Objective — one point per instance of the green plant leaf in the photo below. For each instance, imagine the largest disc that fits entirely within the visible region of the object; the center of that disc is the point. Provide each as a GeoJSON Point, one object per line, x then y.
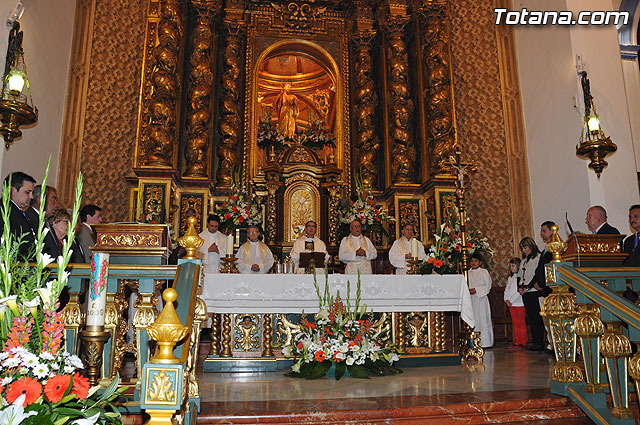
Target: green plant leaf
{"type": "Point", "coordinates": [113, 386]}
{"type": "Point", "coordinates": [341, 368]}
{"type": "Point", "coordinates": [357, 372]}
{"type": "Point", "coordinates": [319, 369]}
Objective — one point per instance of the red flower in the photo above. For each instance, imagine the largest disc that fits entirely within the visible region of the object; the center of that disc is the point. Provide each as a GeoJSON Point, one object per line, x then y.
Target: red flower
{"type": "Point", "coordinates": [335, 359]}
{"type": "Point", "coordinates": [300, 346]}
{"type": "Point", "coordinates": [319, 356]}
{"type": "Point", "coordinates": [153, 222]}
{"type": "Point", "coordinates": [27, 386]}
{"type": "Point", "coordinates": [327, 330]}
{"type": "Point", "coordinates": [469, 245]}
{"type": "Point", "coordinates": [241, 219]}
{"type": "Point", "coordinates": [430, 260]}
{"type": "Point", "coordinates": [234, 209]}
{"type": "Point", "coordinates": [234, 198]}
{"type": "Point", "coordinates": [377, 211]}
{"type": "Point", "coordinates": [370, 201]}
{"type": "Point", "coordinates": [443, 249]}
{"type": "Point", "coordinates": [223, 204]}
{"type": "Point", "coordinates": [438, 263]}
{"type": "Point", "coordinates": [227, 216]}
{"type": "Point", "coordinates": [55, 387]}
{"type": "Point", "coordinates": [80, 386]}
{"type": "Point", "coordinates": [351, 343]}
{"type": "Point", "coordinates": [351, 203]}
{"type": "Point", "coordinates": [377, 218]}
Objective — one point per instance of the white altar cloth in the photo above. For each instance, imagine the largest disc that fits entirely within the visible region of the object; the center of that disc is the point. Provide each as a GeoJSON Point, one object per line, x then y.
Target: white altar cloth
{"type": "Point", "coordinates": [292, 293]}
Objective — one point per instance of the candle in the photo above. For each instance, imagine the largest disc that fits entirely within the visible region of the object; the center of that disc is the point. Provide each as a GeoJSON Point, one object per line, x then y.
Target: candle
{"type": "Point", "coordinates": [230, 244]}
{"type": "Point", "coordinates": [98, 289]}
{"type": "Point", "coordinates": [414, 248]}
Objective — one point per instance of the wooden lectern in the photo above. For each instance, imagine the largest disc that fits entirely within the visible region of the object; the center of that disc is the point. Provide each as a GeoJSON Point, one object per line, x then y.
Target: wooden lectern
{"type": "Point", "coordinates": [133, 243]}
{"type": "Point", "coordinates": [310, 259]}
{"type": "Point", "coordinates": [587, 250]}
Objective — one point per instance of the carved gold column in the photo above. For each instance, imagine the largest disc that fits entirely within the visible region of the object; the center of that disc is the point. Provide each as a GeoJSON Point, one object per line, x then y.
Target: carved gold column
{"type": "Point", "coordinates": [616, 349]}
{"type": "Point", "coordinates": [232, 86]}
{"type": "Point", "coordinates": [267, 335]}
{"type": "Point", "coordinates": [365, 100]}
{"type": "Point", "coordinates": [439, 331]}
{"type": "Point", "coordinates": [227, 336]}
{"type": "Point", "coordinates": [590, 329]}
{"type": "Point", "coordinates": [400, 331]}
{"type": "Point", "coordinates": [634, 370]}
{"type": "Point", "coordinates": [199, 317]}
{"type": "Point", "coordinates": [157, 133]}
{"type": "Point", "coordinates": [335, 195]}
{"type": "Point", "coordinates": [399, 103]}
{"type": "Point", "coordinates": [215, 334]}
{"type": "Point", "coordinates": [271, 222]}
{"type": "Point", "coordinates": [437, 105]}
{"type": "Point", "coordinates": [121, 305]}
{"type": "Point", "coordinates": [200, 82]}
{"type": "Point", "coordinates": [561, 310]}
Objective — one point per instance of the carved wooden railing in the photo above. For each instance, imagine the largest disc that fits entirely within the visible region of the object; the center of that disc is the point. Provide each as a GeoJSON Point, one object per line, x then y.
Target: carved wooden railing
{"type": "Point", "coordinates": [606, 324]}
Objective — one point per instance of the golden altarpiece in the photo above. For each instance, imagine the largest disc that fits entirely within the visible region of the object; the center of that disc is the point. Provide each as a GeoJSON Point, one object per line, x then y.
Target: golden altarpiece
{"type": "Point", "coordinates": [375, 74]}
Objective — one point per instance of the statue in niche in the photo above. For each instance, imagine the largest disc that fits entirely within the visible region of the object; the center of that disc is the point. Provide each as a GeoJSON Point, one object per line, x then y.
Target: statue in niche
{"type": "Point", "coordinates": [287, 108]}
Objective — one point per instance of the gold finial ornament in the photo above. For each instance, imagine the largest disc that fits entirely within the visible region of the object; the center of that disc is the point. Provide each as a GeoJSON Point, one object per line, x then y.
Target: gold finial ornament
{"type": "Point", "coordinates": [191, 241]}
{"type": "Point", "coordinates": [167, 330]}
{"type": "Point", "coordinates": [557, 247]}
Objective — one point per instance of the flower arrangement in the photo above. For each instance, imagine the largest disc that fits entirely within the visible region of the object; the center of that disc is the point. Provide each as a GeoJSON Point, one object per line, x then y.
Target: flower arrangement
{"type": "Point", "coordinates": [364, 209]}
{"type": "Point", "coordinates": [39, 380]}
{"type": "Point", "coordinates": [240, 210]}
{"type": "Point", "coordinates": [445, 256]}
{"type": "Point", "coordinates": [268, 134]}
{"type": "Point", "coordinates": [317, 137]}
{"type": "Point", "coordinates": [340, 337]}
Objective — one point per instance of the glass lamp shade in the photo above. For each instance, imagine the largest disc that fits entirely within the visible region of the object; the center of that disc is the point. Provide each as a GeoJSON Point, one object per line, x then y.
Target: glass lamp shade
{"type": "Point", "coordinates": [15, 82]}
{"type": "Point", "coordinates": [593, 122]}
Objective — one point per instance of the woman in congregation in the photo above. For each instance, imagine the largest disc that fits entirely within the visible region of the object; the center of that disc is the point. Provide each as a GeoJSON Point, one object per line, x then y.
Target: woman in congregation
{"type": "Point", "coordinates": [479, 287]}
{"type": "Point", "coordinates": [531, 256]}
{"type": "Point", "coordinates": [60, 224]}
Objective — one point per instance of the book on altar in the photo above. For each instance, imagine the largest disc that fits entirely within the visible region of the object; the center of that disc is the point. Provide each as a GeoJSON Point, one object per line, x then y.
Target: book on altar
{"type": "Point", "coordinates": [306, 259]}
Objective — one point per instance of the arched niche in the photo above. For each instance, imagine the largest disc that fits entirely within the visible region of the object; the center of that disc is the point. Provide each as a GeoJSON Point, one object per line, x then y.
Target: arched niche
{"type": "Point", "coordinates": [302, 201]}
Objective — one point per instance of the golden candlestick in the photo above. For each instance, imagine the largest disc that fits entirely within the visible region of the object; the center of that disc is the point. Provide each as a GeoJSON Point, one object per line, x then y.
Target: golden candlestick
{"type": "Point", "coordinates": [414, 265]}
{"type": "Point", "coordinates": [229, 264]}
{"type": "Point", "coordinates": [94, 338]}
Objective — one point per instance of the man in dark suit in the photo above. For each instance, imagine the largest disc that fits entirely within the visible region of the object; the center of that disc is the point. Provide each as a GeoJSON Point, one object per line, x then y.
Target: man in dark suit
{"type": "Point", "coordinates": [33, 214]}
{"type": "Point", "coordinates": [540, 280]}
{"type": "Point", "coordinates": [89, 215]}
{"type": "Point", "coordinates": [597, 221]}
{"type": "Point", "coordinates": [631, 244]}
{"type": "Point", "coordinates": [22, 186]}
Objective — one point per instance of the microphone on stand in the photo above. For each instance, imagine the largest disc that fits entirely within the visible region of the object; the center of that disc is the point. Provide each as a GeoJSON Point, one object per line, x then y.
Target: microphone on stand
{"type": "Point", "coordinates": [566, 217]}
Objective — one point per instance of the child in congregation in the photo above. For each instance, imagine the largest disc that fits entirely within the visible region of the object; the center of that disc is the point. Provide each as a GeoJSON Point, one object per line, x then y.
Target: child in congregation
{"type": "Point", "coordinates": [516, 307]}
{"type": "Point", "coordinates": [479, 287]}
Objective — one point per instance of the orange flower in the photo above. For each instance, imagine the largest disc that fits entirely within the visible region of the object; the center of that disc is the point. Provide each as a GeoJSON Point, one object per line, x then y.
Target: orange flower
{"type": "Point", "coordinates": [430, 260]}
{"type": "Point", "coordinates": [55, 387]}
{"type": "Point", "coordinates": [320, 356]}
{"type": "Point", "coordinates": [437, 263]}
{"type": "Point", "coordinates": [80, 386]}
{"type": "Point", "coordinates": [27, 386]}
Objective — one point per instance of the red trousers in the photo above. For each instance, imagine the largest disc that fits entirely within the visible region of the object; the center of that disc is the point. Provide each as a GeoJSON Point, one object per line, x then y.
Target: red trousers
{"type": "Point", "coordinates": [519, 325]}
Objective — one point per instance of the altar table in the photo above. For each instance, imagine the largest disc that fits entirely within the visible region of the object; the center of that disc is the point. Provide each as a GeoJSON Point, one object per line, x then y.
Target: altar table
{"type": "Point", "coordinates": [292, 293]}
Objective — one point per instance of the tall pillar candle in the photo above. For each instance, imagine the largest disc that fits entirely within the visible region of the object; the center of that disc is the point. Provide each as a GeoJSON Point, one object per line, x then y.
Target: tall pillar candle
{"type": "Point", "coordinates": [98, 289]}
{"type": "Point", "coordinates": [414, 248]}
{"type": "Point", "coordinates": [230, 244]}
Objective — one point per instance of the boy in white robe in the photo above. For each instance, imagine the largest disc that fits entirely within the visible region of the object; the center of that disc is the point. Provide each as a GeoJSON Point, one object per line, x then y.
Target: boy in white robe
{"type": "Point", "coordinates": [309, 242]}
{"type": "Point", "coordinates": [400, 251]}
{"type": "Point", "coordinates": [357, 251]}
{"type": "Point", "coordinates": [479, 287]}
{"type": "Point", "coordinates": [254, 256]}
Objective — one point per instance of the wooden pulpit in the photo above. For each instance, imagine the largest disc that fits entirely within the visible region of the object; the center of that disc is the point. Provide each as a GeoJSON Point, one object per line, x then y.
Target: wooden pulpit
{"type": "Point", "coordinates": [588, 250]}
{"type": "Point", "coordinates": [133, 243]}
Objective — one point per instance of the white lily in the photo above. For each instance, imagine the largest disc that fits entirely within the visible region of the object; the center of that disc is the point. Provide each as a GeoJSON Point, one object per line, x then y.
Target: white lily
{"type": "Point", "coordinates": [46, 259]}
{"type": "Point", "coordinates": [393, 357]}
{"type": "Point", "coordinates": [322, 314]}
{"type": "Point", "coordinates": [286, 350]}
{"type": "Point", "coordinates": [14, 414]}
{"type": "Point", "coordinates": [10, 301]}
{"type": "Point", "coordinates": [349, 361]}
{"type": "Point", "coordinates": [45, 295]}
{"type": "Point", "coordinates": [296, 367]}
{"type": "Point", "coordinates": [33, 305]}
{"type": "Point", "coordinates": [88, 421]}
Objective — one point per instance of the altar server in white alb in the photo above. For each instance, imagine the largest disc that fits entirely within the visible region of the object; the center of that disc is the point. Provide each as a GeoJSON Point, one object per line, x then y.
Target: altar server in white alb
{"type": "Point", "coordinates": [357, 251]}
{"type": "Point", "coordinates": [479, 287]}
{"type": "Point", "coordinates": [254, 256]}
{"type": "Point", "coordinates": [214, 246]}
{"type": "Point", "coordinates": [309, 242]}
{"type": "Point", "coordinates": [401, 250]}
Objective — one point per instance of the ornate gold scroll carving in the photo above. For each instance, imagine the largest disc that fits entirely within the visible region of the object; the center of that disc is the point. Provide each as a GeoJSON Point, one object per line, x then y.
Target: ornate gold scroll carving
{"type": "Point", "coordinates": [230, 121]}
{"type": "Point", "coordinates": [271, 222]}
{"type": "Point", "coordinates": [298, 15]}
{"type": "Point", "coordinates": [400, 104]}
{"type": "Point", "coordinates": [440, 114]}
{"type": "Point", "coordinates": [159, 132]}
{"type": "Point", "coordinates": [129, 240]}
{"type": "Point", "coordinates": [366, 140]}
{"type": "Point", "coordinates": [200, 86]}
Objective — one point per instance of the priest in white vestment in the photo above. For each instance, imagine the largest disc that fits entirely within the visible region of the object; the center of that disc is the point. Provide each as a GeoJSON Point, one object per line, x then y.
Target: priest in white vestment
{"type": "Point", "coordinates": [214, 246]}
{"type": "Point", "coordinates": [254, 256]}
{"type": "Point", "coordinates": [400, 251]}
{"type": "Point", "coordinates": [309, 242]}
{"type": "Point", "coordinates": [357, 251]}
{"type": "Point", "coordinates": [479, 287]}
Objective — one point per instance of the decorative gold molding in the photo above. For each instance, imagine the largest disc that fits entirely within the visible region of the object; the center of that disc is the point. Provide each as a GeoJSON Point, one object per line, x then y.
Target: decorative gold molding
{"type": "Point", "coordinates": [74, 115]}
{"type": "Point", "coordinates": [515, 134]}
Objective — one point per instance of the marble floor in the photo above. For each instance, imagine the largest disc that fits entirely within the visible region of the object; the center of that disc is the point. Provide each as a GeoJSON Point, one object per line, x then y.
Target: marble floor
{"type": "Point", "coordinates": [502, 370]}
